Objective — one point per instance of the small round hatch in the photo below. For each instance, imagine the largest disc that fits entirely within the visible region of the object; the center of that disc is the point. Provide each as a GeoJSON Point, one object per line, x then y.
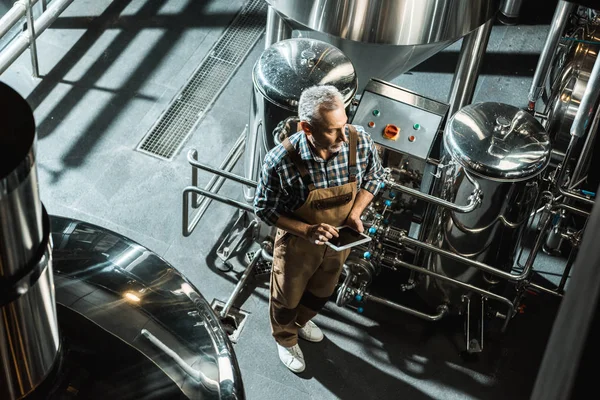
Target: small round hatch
{"type": "Point", "coordinates": [497, 141]}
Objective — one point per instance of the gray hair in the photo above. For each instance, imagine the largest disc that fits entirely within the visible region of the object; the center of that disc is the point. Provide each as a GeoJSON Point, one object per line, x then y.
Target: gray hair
{"type": "Point", "coordinates": [315, 99]}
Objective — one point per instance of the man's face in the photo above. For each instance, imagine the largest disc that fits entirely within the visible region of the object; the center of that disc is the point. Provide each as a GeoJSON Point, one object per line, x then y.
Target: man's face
{"type": "Point", "coordinates": [329, 134]}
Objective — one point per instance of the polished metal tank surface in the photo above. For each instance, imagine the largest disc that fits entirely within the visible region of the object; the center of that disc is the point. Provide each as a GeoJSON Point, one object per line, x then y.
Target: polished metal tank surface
{"type": "Point", "coordinates": [138, 299]}
{"type": "Point", "coordinates": [567, 91]}
{"type": "Point", "coordinates": [385, 38]}
{"type": "Point", "coordinates": [279, 76]}
{"type": "Point", "coordinates": [505, 149]}
{"type": "Point", "coordinates": [29, 339]}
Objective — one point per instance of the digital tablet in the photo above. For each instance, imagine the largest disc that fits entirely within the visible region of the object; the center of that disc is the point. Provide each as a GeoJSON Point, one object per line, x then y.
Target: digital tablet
{"type": "Point", "coordinates": [347, 238]}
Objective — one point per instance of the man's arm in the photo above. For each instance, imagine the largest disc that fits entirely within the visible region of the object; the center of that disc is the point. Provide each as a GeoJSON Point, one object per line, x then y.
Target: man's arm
{"type": "Point", "coordinates": [363, 198]}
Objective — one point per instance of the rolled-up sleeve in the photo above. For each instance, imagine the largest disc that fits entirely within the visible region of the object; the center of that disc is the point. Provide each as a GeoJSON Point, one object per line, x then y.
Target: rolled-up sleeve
{"type": "Point", "coordinates": [268, 204]}
{"type": "Point", "coordinates": [373, 176]}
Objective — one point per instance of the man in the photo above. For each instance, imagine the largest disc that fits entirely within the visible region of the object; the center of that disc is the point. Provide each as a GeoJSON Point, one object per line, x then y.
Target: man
{"type": "Point", "coordinates": [319, 178]}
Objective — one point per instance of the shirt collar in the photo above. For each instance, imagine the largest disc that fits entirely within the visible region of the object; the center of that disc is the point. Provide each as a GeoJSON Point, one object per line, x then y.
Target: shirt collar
{"type": "Point", "coordinates": [307, 153]}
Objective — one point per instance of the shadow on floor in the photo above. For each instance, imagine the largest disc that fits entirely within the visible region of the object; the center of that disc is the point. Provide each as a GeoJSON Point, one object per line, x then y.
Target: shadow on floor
{"type": "Point", "coordinates": [192, 15]}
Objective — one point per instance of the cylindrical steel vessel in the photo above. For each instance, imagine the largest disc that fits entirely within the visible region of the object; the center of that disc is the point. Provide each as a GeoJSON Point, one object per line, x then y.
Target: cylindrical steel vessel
{"type": "Point", "coordinates": [385, 38]}
{"type": "Point", "coordinates": [504, 149]}
{"type": "Point", "coordinates": [567, 91]}
{"type": "Point", "coordinates": [280, 75]}
{"type": "Point", "coordinates": [29, 339]}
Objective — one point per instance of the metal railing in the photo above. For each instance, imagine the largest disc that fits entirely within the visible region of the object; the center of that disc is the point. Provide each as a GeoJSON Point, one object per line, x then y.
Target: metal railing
{"type": "Point", "coordinates": [35, 28]}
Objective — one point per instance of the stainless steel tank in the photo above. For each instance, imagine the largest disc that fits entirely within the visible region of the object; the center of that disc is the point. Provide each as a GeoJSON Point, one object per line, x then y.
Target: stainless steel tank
{"type": "Point", "coordinates": [505, 149]}
{"type": "Point", "coordinates": [128, 325]}
{"type": "Point", "coordinates": [385, 38]}
{"type": "Point", "coordinates": [566, 92]}
{"type": "Point", "coordinates": [279, 77]}
{"type": "Point", "coordinates": [29, 339]}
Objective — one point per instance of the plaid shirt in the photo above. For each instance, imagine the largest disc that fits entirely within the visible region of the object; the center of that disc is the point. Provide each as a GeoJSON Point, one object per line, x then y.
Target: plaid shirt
{"type": "Point", "coordinates": [281, 190]}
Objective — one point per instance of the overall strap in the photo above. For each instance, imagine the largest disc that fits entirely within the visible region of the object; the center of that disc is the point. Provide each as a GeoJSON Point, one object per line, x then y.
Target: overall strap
{"type": "Point", "coordinates": [352, 169]}
{"type": "Point", "coordinates": [295, 157]}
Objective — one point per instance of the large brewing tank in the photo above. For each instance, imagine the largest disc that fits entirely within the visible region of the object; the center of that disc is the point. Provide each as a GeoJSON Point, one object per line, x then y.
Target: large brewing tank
{"type": "Point", "coordinates": [505, 149]}
{"type": "Point", "coordinates": [385, 38]}
{"type": "Point", "coordinates": [279, 77]}
{"type": "Point", "coordinates": [29, 339]}
{"type": "Point", "coordinates": [120, 321]}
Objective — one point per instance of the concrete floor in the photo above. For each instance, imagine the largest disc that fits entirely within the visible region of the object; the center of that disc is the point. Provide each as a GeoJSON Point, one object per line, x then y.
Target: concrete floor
{"type": "Point", "coordinates": [109, 69]}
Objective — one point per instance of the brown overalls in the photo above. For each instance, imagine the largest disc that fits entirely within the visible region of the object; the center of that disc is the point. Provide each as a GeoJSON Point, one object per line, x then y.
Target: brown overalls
{"type": "Point", "coordinates": [305, 274]}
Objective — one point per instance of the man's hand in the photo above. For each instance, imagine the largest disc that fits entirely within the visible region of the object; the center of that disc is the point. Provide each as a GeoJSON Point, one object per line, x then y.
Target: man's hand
{"type": "Point", "coordinates": [355, 223]}
{"type": "Point", "coordinates": [320, 233]}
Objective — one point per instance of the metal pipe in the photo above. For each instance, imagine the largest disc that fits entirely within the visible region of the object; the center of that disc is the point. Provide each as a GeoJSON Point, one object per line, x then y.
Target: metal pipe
{"type": "Point", "coordinates": [214, 185]}
{"type": "Point", "coordinates": [21, 42]}
{"type": "Point", "coordinates": [266, 256]}
{"type": "Point", "coordinates": [559, 21]}
{"type": "Point", "coordinates": [442, 309]}
{"type": "Point", "coordinates": [14, 15]}
{"type": "Point", "coordinates": [474, 199]}
{"type": "Point", "coordinates": [543, 289]}
{"type": "Point", "coordinates": [196, 374]}
{"type": "Point", "coordinates": [468, 327]}
{"type": "Point", "coordinates": [32, 43]}
{"type": "Point", "coordinates": [575, 196]}
{"type": "Point", "coordinates": [214, 196]}
{"type": "Point", "coordinates": [467, 261]}
{"type": "Point", "coordinates": [469, 64]}
{"type": "Point", "coordinates": [588, 103]}
{"type": "Point", "coordinates": [235, 153]}
{"type": "Point", "coordinates": [240, 284]}
{"type": "Point", "coordinates": [510, 8]}
{"type": "Point", "coordinates": [225, 174]}
{"type": "Point", "coordinates": [588, 146]}
{"type": "Point", "coordinates": [508, 303]}
{"type": "Point", "coordinates": [277, 29]}
{"type": "Point", "coordinates": [572, 209]}
{"type": "Point", "coordinates": [567, 271]}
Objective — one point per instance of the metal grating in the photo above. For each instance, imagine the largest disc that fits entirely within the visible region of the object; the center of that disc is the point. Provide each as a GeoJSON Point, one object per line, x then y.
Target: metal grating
{"type": "Point", "coordinates": [189, 106]}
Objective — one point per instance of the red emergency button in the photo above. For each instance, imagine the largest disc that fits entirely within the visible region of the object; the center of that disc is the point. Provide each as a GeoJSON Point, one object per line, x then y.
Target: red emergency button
{"type": "Point", "coordinates": [391, 132]}
{"type": "Point", "coordinates": [371, 124]}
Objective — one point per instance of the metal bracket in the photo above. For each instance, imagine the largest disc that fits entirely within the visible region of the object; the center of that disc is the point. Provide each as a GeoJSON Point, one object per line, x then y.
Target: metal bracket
{"type": "Point", "coordinates": [473, 345]}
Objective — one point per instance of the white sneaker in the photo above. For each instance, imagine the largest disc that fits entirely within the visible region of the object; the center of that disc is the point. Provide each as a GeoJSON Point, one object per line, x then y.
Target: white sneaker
{"type": "Point", "coordinates": [311, 332]}
{"type": "Point", "coordinates": [292, 357]}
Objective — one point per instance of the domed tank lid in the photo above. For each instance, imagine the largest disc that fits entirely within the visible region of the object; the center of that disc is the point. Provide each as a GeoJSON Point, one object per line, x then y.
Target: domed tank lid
{"type": "Point", "coordinates": [497, 141]}
{"type": "Point", "coordinates": [288, 67]}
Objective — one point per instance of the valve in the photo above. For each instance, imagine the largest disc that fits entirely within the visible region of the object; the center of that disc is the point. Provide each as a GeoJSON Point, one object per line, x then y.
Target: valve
{"type": "Point", "coordinates": [387, 203]}
{"type": "Point", "coordinates": [392, 194]}
{"type": "Point", "coordinates": [382, 185]}
{"type": "Point", "coordinates": [372, 230]}
{"type": "Point", "coordinates": [360, 310]}
{"type": "Point", "coordinates": [367, 255]}
{"type": "Point", "coordinates": [358, 297]}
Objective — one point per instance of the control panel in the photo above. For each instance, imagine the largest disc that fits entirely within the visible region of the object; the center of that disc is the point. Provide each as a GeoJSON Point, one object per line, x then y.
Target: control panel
{"type": "Point", "coordinates": [399, 119]}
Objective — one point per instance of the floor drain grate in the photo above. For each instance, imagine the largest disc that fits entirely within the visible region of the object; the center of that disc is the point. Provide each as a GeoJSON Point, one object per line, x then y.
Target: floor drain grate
{"type": "Point", "coordinates": [189, 106]}
{"type": "Point", "coordinates": [262, 268]}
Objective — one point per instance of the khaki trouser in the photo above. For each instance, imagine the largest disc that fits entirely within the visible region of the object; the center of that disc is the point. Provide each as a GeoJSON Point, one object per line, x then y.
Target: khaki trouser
{"type": "Point", "coordinates": [301, 288]}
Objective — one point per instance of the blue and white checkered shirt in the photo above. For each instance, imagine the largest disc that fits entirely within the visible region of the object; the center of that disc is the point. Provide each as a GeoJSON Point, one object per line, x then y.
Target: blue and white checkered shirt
{"type": "Point", "coordinates": [282, 191]}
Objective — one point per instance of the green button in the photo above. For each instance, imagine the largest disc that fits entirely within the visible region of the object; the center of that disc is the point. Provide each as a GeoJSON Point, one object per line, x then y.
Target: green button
{"type": "Point", "coordinates": [376, 113]}
{"type": "Point", "coordinates": [416, 127]}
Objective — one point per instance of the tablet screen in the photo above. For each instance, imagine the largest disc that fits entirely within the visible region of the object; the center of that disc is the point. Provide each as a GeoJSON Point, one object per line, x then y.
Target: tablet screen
{"type": "Point", "coordinates": [347, 236]}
